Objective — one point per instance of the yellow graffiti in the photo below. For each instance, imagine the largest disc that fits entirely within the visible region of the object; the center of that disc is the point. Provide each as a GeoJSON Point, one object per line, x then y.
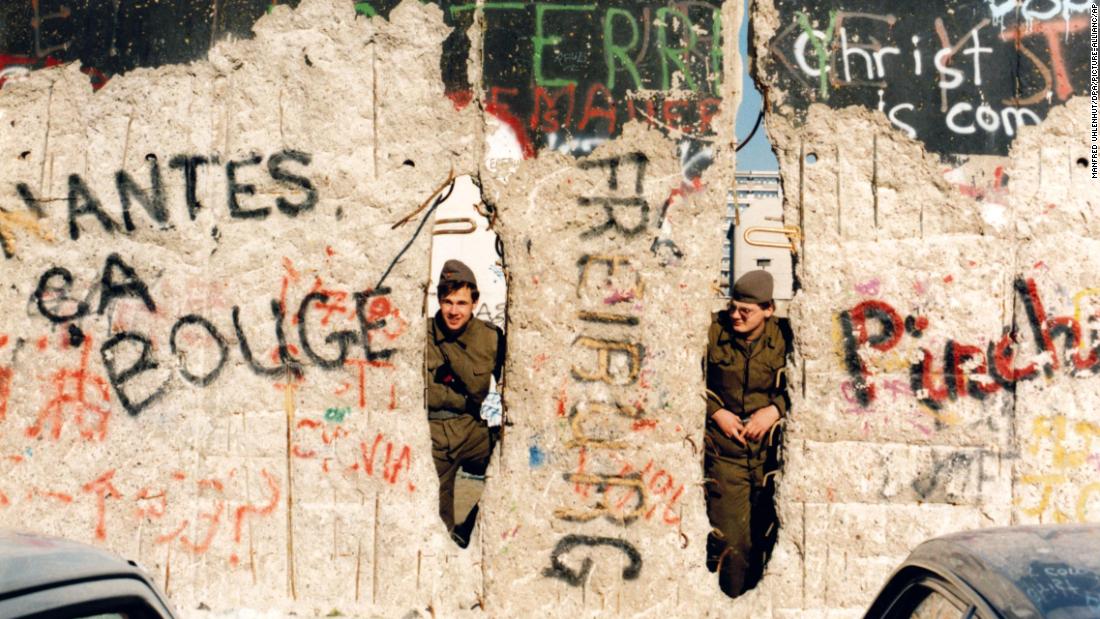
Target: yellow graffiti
{"type": "Point", "coordinates": [29, 222]}
{"type": "Point", "coordinates": [603, 484]}
{"type": "Point", "coordinates": [581, 413]}
{"type": "Point", "coordinates": [1077, 312]}
{"type": "Point", "coordinates": [1069, 444]}
{"type": "Point", "coordinates": [612, 263]}
{"type": "Point", "coordinates": [1048, 482]}
{"type": "Point", "coordinates": [1054, 429]}
{"type": "Point", "coordinates": [604, 349]}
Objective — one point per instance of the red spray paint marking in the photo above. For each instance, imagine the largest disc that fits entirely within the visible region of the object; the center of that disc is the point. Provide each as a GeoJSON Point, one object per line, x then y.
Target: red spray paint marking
{"type": "Point", "coordinates": [102, 488]}
{"type": "Point", "coordinates": [391, 467]}
{"type": "Point", "coordinates": [246, 510]}
{"type": "Point", "coordinates": [214, 519]}
{"type": "Point", "coordinates": [1054, 32]}
{"type": "Point", "coordinates": [504, 114]}
{"type": "Point", "coordinates": [460, 98]}
{"type": "Point", "coordinates": [5, 390]}
{"type": "Point", "coordinates": [157, 509]}
{"type": "Point", "coordinates": [71, 389]}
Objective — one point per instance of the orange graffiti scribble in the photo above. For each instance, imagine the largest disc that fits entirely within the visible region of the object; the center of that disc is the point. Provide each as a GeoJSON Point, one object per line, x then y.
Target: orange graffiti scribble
{"type": "Point", "coordinates": [335, 304]}
{"type": "Point", "coordinates": [71, 392]}
{"type": "Point", "coordinates": [102, 488]}
{"type": "Point", "coordinates": [245, 510]}
{"type": "Point", "coordinates": [5, 390]}
{"type": "Point", "coordinates": [391, 467]}
{"type": "Point", "coordinates": [214, 519]}
{"type": "Point", "coordinates": [291, 275]}
{"type": "Point", "coordinates": [362, 365]}
{"type": "Point", "coordinates": [154, 510]}
{"type": "Point", "coordinates": [167, 537]}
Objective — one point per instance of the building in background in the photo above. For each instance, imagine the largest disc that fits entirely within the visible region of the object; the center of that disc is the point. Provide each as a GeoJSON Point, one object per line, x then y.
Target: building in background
{"type": "Point", "coordinates": [757, 236]}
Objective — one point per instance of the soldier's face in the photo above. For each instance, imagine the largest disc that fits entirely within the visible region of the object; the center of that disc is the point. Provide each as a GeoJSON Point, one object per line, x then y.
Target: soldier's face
{"type": "Point", "coordinates": [748, 318]}
{"type": "Point", "coordinates": [457, 308]}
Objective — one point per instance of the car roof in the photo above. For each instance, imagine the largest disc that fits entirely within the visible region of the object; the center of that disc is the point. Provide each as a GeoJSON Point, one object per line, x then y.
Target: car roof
{"type": "Point", "coordinates": [1022, 570]}
{"type": "Point", "coordinates": [29, 561]}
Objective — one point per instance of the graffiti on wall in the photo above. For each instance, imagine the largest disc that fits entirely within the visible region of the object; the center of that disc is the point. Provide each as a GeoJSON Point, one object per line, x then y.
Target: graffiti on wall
{"type": "Point", "coordinates": [936, 71]}
{"type": "Point", "coordinates": [184, 512]}
{"type": "Point", "coordinates": [1067, 344]}
{"type": "Point", "coordinates": [604, 401]}
{"type": "Point", "coordinates": [1063, 486]}
{"type": "Point", "coordinates": [109, 38]}
{"type": "Point", "coordinates": [561, 75]}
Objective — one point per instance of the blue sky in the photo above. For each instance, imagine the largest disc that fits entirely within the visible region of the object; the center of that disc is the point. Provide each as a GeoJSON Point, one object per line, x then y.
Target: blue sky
{"type": "Point", "coordinates": [757, 155]}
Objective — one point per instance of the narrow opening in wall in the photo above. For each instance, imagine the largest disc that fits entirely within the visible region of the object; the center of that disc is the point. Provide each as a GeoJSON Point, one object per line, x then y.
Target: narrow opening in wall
{"type": "Point", "coordinates": [747, 346]}
{"type": "Point", "coordinates": [464, 354]}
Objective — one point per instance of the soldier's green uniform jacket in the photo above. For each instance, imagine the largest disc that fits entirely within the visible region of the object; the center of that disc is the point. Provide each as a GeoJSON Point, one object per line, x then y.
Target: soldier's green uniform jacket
{"type": "Point", "coordinates": [458, 369]}
{"type": "Point", "coordinates": [736, 385]}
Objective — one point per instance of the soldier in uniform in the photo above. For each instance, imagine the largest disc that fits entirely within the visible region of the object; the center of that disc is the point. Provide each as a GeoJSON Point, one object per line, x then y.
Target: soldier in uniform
{"type": "Point", "coordinates": [463, 354]}
{"type": "Point", "coordinates": [746, 398]}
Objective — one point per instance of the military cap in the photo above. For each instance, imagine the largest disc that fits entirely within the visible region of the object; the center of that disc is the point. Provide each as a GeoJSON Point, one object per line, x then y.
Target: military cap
{"type": "Point", "coordinates": [456, 270]}
{"type": "Point", "coordinates": [754, 287]}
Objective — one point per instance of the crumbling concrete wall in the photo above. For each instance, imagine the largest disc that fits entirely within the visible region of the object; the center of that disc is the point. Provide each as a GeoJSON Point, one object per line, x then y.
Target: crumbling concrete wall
{"type": "Point", "coordinates": [946, 320]}
{"type": "Point", "coordinates": [211, 344]}
{"type": "Point", "coordinates": [211, 349]}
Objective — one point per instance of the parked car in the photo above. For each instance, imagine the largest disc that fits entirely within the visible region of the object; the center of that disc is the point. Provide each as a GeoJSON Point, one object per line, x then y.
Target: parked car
{"type": "Point", "coordinates": [1036, 572]}
{"type": "Point", "coordinates": [43, 577]}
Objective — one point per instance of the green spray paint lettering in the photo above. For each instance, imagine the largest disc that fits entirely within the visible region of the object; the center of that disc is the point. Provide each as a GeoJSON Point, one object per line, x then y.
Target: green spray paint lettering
{"type": "Point", "coordinates": [364, 8]}
{"type": "Point", "coordinates": [716, 53]}
{"type": "Point", "coordinates": [541, 41]}
{"type": "Point", "coordinates": [674, 55]}
{"type": "Point", "coordinates": [819, 48]}
{"type": "Point", "coordinates": [337, 415]}
{"type": "Point", "coordinates": [612, 51]}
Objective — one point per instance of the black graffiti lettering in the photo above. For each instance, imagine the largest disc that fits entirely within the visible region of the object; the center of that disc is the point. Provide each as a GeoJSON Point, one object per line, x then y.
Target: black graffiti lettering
{"type": "Point", "coordinates": [965, 469]}
{"type": "Point", "coordinates": [865, 393]}
{"type": "Point", "coordinates": [344, 339]}
{"type": "Point", "coordinates": [610, 206]}
{"type": "Point", "coordinates": [1037, 317]}
{"type": "Point", "coordinates": [274, 167]}
{"type": "Point", "coordinates": [576, 578]}
{"type": "Point", "coordinates": [152, 201]}
{"type": "Point", "coordinates": [190, 166]}
{"type": "Point", "coordinates": [223, 349]}
{"type": "Point", "coordinates": [367, 326]}
{"type": "Point", "coordinates": [76, 336]}
{"type": "Point", "coordinates": [28, 198]}
{"type": "Point", "coordinates": [950, 370]}
{"type": "Point", "coordinates": [287, 364]}
{"type": "Point", "coordinates": [131, 285]}
{"type": "Point", "coordinates": [83, 202]}
{"type": "Point", "coordinates": [612, 165]}
{"type": "Point", "coordinates": [235, 189]}
{"type": "Point", "coordinates": [144, 363]}
{"type": "Point", "coordinates": [49, 297]}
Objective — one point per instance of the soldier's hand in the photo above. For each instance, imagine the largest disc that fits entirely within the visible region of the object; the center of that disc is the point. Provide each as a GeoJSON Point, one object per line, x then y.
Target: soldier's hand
{"type": "Point", "coordinates": [761, 421]}
{"type": "Point", "coordinates": [729, 424]}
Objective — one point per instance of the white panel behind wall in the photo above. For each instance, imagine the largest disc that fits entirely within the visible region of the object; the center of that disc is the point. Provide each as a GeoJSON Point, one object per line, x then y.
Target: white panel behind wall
{"type": "Point", "coordinates": [749, 254]}
{"type": "Point", "coordinates": [460, 231]}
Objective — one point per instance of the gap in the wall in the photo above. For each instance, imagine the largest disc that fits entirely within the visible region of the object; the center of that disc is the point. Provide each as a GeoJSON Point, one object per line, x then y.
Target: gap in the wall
{"type": "Point", "coordinates": [463, 230]}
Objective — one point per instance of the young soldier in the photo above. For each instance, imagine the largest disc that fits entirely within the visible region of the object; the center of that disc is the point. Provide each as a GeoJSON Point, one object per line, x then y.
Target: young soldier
{"type": "Point", "coordinates": [462, 354]}
{"type": "Point", "coordinates": [746, 354]}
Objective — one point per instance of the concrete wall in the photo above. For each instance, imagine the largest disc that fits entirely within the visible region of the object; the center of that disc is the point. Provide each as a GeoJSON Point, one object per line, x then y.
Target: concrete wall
{"type": "Point", "coordinates": [946, 321]}
{"type": "Point", "coordinates": [213, 319]}
{"type": "Point", "coordinates": [211, 343]}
